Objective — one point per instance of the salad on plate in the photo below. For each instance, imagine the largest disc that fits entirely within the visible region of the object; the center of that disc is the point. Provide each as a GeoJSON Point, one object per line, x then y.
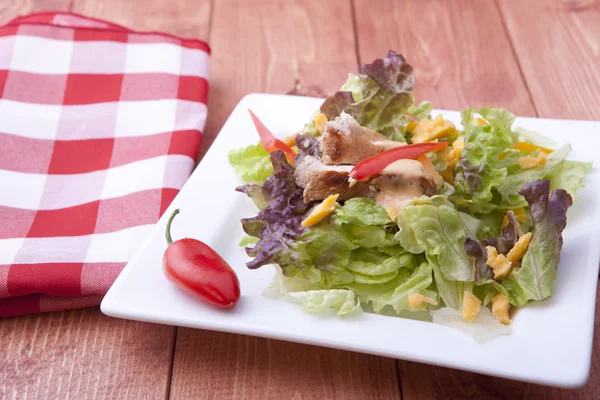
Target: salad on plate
{"type": "Point", "coordinates": [376, 204]}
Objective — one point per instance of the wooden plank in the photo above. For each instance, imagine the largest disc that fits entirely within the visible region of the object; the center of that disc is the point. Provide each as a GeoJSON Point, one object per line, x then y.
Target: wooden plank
{"type": "Point", "coordinates": [463, 57]}
{"type": "Point", "coordinates": [212, 365]}
{"type": "Point", "coordinates": [558, 46]}
{"type": "Point", "coordinates": [276, 47]}
{"type": "Point", "coordinates": [83, 354]}
{"type": "Point", "coordinates": [13, 9]}
{"type": "Point", "coordinates": [459, 50]}
{"type": "Point", "coordinates": [271, 46]}
{"type": "Point", "coordinates": [187, 18]}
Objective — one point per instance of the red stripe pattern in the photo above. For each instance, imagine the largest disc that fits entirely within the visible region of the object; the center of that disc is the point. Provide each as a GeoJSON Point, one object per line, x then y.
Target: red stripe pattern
{"type": "Point", "coordinates": [99, 128]}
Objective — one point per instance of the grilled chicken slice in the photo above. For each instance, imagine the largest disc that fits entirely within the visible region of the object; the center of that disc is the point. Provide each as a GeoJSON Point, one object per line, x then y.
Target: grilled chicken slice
{"type": "Point", "coordinates": [344, 141]}
{"type": "Point", "coordinates": [402, 179]}
{"type": "Point", "coordinates": [320, 181]}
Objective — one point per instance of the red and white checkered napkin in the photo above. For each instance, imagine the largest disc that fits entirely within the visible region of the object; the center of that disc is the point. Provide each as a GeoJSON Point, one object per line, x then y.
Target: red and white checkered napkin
{"type": "Point", "coordinates": [99, 128]}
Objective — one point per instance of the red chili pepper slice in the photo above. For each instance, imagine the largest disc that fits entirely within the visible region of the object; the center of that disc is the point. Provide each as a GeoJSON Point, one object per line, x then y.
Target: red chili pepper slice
{"type": "Point", "coordinates": [196, 268]}
{"type": "Point", "coordinates": [269, 141]}
{"type": "Point", "coordinates": [374, 165]}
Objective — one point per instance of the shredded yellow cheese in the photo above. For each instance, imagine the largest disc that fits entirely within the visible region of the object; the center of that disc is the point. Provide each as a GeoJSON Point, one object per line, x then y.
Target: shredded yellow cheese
{"type": "Point", "coordinates": [519, 249]}
{"type": "Point", "coordinates": [471, 306]}
{"type": "Point", "coordinates": [416, 300]}
{"type": "Point", "coordinates": [500, 307]}
{"type": "Point", "coordinates": [498, 263]}
{"type": "Point", "coordinates": [453, 157]}
{"type": "Point", "coordinates": [520, 214]}
{"type": "Point", "coordinates": [322, 210]}
{"type": "Point", "coordinates": [320, 120]}
{"type": "Point", "coordinates": [430, 169]}
{"type": "Point", "coordinates": [428, 130]}
{"type": "Point", "coordinates": [528, 147]}
{"type": "Point", "coordinates": [290, 140]}
{"type": "Point", "coordinates": [411, 126]}
{"type": "Point", "coordinates": [528, 162]}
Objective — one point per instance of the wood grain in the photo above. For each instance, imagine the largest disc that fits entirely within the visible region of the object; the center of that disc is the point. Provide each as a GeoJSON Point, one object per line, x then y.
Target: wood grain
{"type": "Point", "coordinates": [10, 9]}
{"type": "Point", "coordinates": [269, 46]}
{"type": "Point", "coordinates": [83, 354]}
{"type": "Point", "coordinates": [276, 47]}
{"type": "Point", "coordinates": [224, 366]}
{"type": "Point", "coordinates": [187, 18]}
{"type": "Point", "coordinates": [558, 46]}
{"type": "Point", "coordinates": [460, 51]}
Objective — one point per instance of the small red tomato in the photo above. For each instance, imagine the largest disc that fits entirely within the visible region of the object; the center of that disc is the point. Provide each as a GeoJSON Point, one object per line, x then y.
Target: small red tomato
{"type": "Point", "coordinates": [196, 268]}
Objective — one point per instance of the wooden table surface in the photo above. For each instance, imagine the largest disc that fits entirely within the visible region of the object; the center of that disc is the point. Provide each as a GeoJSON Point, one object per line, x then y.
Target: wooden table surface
{"type": "Point", "coordinates": [540, 60]}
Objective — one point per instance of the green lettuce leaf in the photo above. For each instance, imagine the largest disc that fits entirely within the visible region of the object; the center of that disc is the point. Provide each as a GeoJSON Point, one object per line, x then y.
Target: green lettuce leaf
{"type": "Point", "coordinates": [509, 189]}
{"type": "Point", "coordinates": [423, 110]}
{"type": "Point", "coordinates": [569, 175]}
{"type": "Point", "coordinates": [480, 168]}
{"type": "Point", "coordinates": [395, 293]}
{"type": "Point", "coordinates": [534, 280]}
{"type": "Point", "coordinates": [433, 226]}
{"type": "Point", "coordinates": [342, 301]}
{"type": "Point", "coordinates": [451, 292]}
{"type": "Point", "coordinates": [248, 240]}
{"type": "Point", "coordinates": [378, 97]}
{"type": "Point", "coordinates": [365, 223]}
{"type": "Point", "coordinates": [252, 163]}
{"type": "Point", "coordinates": [374, 263]}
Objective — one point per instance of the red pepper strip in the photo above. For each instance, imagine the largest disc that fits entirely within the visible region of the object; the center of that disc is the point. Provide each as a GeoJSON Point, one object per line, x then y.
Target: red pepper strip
{"type": "Point", "coordinates": [269, 141]}
{"type": "Point", "coordinates": [374, 165]}
{"type": "Point", "coordinates": [196, 268]}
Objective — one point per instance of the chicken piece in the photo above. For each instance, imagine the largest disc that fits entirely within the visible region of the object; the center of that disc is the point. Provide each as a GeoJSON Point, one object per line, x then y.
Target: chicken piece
{"type": "Point", "coordinates": [321, 181]}
{"type": "Point", "coordinates": [344, 141]}
{"type": "Point", "coordinates": [401, 178]}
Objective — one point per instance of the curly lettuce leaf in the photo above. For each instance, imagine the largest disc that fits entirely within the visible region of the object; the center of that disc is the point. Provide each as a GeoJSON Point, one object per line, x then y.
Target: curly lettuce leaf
{"type": "Point", "coordinates": [251, 164]}
{"type": "Point", "coordinates": [374, 263]}
{"type": "Point", "coordinates": [341, 301]}
{"type": "Point", "coordinates": [395, 293]}
{"type": "Point", "coordinates": [569, 175]}
{"type": "Point", "coordinates": [385, 94]}
{"type": "Point", "coordinates": [509, 189]}
{"type": "Point", "coordinates": [255, 193]}
{"type": "Point", "coordinates": [422, 111]}
{"type": "Point", "coordinates": [480, 168]}
{"type": "Point", "coordinates": [363, 211]}
{"type": "Point", "coordinates": [476, 251]}
{"type": "Point", "coordinates": [329, 247]}
{"type": "Point", "coordinates": [451, 292]}
{"type": "Point", "coordinates": [307, 146]}
{"type": "Point", "coordinates": [435, 227]}
{"type": "Point", "coordinates": [248, 240]}
{"type": "Point", "coordinates": [278, 224]}
{"type": "Point", "coordinates": [534, 280]}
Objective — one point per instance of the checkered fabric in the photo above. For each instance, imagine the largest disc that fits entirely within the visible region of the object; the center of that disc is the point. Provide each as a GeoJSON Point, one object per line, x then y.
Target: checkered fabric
{"type": "Point", "coordinates": [99, 128]}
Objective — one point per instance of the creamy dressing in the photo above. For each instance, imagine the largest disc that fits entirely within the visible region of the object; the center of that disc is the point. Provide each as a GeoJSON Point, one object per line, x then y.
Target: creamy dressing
{"type": "Point", "coordinates": [387, 144]}
{"type": "Point", "coordinates": [398, 183]}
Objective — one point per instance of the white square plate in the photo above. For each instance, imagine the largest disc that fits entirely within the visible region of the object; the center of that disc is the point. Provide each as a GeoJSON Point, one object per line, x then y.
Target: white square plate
{"type": "Point", "coordinates": [551, 341]}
